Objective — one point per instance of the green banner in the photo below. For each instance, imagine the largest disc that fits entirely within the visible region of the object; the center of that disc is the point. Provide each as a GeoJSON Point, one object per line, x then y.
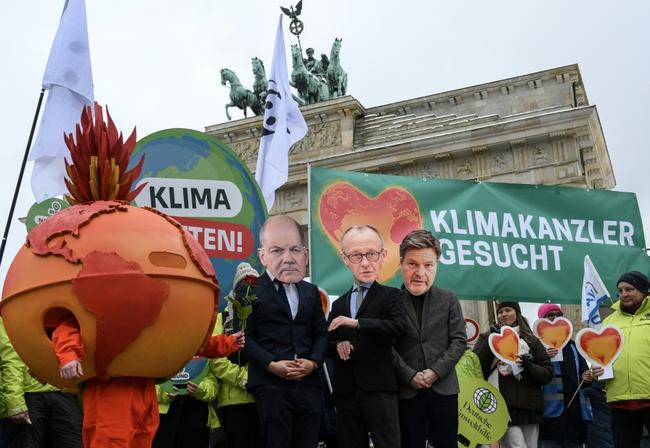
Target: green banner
{"type": "Point", "coordinates": [498, 241]}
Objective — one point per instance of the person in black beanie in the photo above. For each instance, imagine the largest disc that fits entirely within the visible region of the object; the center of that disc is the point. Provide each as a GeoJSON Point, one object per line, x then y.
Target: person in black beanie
{"type": "Point", "coordinates": [628, 393]}
{"type": "Point", "coordinates": [637, 279]}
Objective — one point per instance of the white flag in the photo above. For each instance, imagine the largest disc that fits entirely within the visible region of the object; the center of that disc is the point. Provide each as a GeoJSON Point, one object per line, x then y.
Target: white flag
{"type": "Point", "coordinates": [283, 126]}
{"type": "Point", "coordinates": [594, 294]}
{"type": "Point", "coordinates": [69, 81]}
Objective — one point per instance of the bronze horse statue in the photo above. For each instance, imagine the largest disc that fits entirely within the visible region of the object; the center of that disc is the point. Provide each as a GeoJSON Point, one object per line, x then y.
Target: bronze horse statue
{"type": "Point", "coordinates": [239, 96]}
{"type": "Point", "coordinates": [310, 87]}
{"type": "Point", "coordinates": [337, 77]}
{"type": "Point", "coordinates": [260, 84]}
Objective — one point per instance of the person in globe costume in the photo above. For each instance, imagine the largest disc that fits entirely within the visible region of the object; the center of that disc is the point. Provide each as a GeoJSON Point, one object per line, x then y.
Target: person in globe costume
{"type": "Point", "coordinates": [119, 409]}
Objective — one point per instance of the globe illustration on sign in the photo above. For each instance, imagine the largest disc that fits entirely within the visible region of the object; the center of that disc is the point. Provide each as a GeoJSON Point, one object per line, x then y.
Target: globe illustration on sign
{"type": "Point", "coordinates": [204, 185]}
{"type": "Point", "coordinates": [485, 400]}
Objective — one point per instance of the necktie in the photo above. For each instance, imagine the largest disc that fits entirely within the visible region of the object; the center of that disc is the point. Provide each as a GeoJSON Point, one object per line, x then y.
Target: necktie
{"type": "Point", "coordinates": [360, 296]}
{"type": "Point", "coordinates": [293, 302]}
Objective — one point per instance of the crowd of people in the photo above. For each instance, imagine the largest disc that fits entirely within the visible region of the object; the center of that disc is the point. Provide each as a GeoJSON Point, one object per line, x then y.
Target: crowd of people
{"type": "Point", "coordinates": [382, 368]}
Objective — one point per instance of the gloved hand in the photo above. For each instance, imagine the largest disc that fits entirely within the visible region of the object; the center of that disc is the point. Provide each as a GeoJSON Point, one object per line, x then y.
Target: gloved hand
{"type": "Point", "coordinates": [495, 328]}
{"type": "Point", "coordinates": [526, 360]}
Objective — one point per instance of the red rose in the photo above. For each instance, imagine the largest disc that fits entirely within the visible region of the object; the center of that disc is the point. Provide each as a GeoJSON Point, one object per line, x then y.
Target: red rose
{"type": "Point", "coordinates": [250, 280]}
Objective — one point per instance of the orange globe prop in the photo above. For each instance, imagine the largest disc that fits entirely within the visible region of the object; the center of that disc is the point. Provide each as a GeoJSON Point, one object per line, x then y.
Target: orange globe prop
{"type": "Point", "coordinates": [141, 289]}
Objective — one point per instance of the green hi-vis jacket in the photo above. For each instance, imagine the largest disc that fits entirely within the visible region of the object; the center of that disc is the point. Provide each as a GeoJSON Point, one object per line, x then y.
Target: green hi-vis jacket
{"type": "Point", "coordinates": [469, 366]}
{"type": "Point", "coordinates": [225, 382]}
{"type": "Point", "coordinates": [632, 368]}
{"type": "Point", "coordinates": [232, 378]}
{"type": "Point", "coordinates": [207, 391]}
{"type": "Point", "coordinates": [15, 379]}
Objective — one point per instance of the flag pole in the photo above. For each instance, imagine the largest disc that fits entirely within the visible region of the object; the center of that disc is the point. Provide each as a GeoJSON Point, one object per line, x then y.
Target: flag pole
{"type": "Point", "coordinates": [5, 235]}
{"type": "Point", "coordinates": [575, 393]}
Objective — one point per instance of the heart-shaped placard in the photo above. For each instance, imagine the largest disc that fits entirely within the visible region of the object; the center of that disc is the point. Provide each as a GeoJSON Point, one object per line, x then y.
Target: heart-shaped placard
{"type": "Point", "coordinates": [554, 334]}
{"type": "Point", "coordinates": [601, 347]}
{"type": "Point", "coordinates": [505, 345]}
{"type": "Point", "coordinates": [394, 212]}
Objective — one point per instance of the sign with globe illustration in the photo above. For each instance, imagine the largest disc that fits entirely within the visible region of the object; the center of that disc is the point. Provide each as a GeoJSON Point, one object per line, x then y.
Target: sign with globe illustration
{"type": "Point", "coordinates": [204, 185]}
{"type": "Point", "coordinates": [40, 211]}
{"type": "Point", "coordinates": [485, 400]}
{"type": "Point", "coordinates": [482, 413]}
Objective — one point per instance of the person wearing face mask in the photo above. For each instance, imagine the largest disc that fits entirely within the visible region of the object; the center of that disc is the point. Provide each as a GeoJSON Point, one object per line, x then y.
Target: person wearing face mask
{"type": "Point", "coordinates": [628, 393]}
{"type": "Point", "coordinates": [425, 355]}
{"type": "Point", "coordinates": [565, 421]}
{"type": "Point", "coordinates": [522, 392]}
{"type": "Point", "coordinates": [286, 340]}
{"type": "Point", "coordinates": [363, 324]}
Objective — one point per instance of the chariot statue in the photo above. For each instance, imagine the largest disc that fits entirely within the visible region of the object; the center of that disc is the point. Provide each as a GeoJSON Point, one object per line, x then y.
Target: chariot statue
{"type": "Point", "coordinates": [311, 88]}
{"type": "Point", "coordinates": [315, 79]}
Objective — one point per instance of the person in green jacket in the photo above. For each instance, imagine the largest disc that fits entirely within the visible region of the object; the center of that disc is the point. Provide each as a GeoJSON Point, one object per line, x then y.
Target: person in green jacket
{"type": "Point", "coordinates": [628, 393]}
{"type": "Point", "coordinates": [468, 366]}
{"type": "Point", "coordinates": [10, 373]}
{"type": "Point", "coordinates": [186, 420]}
{"type": "Point", "coordinates": [236, 406]}
{"type": "Point", "coordinates": [39, 413]}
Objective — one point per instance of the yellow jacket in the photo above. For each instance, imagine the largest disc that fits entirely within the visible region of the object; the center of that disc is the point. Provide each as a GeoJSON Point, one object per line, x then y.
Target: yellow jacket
{"type": "Point", "coordinates": [232, 377]}
{"type": "Point", "coordinates": [632, 368]}
{"type": "Point", "coordinates": [15, 379]}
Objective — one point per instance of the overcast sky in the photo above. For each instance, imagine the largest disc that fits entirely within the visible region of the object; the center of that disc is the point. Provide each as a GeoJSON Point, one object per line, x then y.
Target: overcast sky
{"type": "Point", "coordinates": [156, 63]}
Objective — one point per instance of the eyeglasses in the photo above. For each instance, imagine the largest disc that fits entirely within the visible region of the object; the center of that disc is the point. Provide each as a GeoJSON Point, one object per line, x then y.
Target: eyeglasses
{"type": "Point", "coordinates": [357, 257]}
{"type": "Point", "coordinates": [553, 315]}
{"type": "Point", "coordinates": [279, 251]}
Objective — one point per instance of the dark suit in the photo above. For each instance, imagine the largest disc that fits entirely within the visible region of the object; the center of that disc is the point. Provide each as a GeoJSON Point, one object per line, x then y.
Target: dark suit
{"type": "Point", "coordinates": [289, 410]}
{"type": "Point", "coordinates": [365, 385]}
{"type": "Point", "coordinates": [436, 342]}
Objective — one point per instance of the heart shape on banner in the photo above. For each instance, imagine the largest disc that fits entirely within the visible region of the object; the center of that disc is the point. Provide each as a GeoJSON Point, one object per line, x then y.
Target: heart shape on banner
{"type": "Point", "coordinates": [601, 347]}
{"type": "Point", "coordinates": [505, 345]}
{"type": "Point", "coordinates": [394, 213]}
{"type": "Point", "coordinates": [554, 334]}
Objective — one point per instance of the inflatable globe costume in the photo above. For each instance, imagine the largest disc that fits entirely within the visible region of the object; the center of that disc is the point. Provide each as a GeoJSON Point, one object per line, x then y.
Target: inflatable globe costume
{"type": "Point", "coordinates": [110, 296]}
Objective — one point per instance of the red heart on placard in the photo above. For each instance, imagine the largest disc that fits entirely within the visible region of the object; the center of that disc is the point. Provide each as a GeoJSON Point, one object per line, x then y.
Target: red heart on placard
{"type": "Point", "coordinates": [394, 212]}
{"type": "Point", "coordinates": [555, 334]}
{"type": "Point", "coordinates": [505, 345]}
{"type": "Point", "coordinates": [600, 346]}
